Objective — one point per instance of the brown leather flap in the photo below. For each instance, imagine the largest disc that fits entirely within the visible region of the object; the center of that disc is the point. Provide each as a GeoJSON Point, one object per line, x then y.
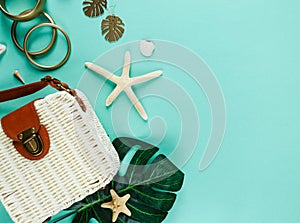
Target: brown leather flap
{"type": "Point", "coordinates": [21, 120]}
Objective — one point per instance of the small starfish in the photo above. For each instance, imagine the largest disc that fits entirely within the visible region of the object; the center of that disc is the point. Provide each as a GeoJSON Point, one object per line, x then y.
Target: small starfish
{"type": "Point", "coordinates": [125, 83]}
{"type": "Point", "coordinates": [117, 205]}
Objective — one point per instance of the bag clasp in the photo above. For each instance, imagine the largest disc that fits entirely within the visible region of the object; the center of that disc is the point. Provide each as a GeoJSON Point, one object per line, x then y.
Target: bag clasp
{"type": "Point", "coordinates": [32, 141]}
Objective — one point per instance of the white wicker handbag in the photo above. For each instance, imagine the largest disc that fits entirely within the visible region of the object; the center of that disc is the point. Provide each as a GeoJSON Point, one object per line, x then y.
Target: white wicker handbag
{"type": "Point", "coordinates": [53, 152]}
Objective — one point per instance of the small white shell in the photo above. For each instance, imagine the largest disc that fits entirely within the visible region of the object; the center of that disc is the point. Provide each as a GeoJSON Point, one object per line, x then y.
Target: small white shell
{"type": "Point", "coordinates": [147, 47]}
{"type": "Point", "coordinates": [2, 49]}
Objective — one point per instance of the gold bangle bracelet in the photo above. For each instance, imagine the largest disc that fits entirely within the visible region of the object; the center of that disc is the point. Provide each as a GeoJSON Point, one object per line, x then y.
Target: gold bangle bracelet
{"type": "Point", "coordinates": [45, 67]}
{"type": "Point", "coordinates": [47, 48]}
{"type": "Point", "coordinates": [31, 14]}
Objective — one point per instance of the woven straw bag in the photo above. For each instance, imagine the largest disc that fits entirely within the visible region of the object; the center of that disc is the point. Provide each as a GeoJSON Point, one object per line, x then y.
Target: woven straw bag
{"type": "Point", "coordinates": [80, 160]}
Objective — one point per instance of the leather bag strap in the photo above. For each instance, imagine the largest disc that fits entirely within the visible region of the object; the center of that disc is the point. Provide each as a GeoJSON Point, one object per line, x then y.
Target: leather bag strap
{"type": "Point", "coordinates": [29, 89]}
{"type": "Point", "coordinates": [22, 91]}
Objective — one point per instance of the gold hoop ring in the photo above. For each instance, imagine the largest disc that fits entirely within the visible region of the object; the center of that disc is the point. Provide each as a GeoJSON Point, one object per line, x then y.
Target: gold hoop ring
{"type": "Point", "coordinates": [65, 59]}
{"type": "Point", "coordinates": [47, 48]}
{"type": "Point", "coordinates": [31, 14]}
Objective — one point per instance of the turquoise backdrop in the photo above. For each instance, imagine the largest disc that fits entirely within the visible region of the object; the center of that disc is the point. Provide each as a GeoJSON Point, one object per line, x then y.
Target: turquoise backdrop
{"type": "Point", "coordinates": [252, 47]}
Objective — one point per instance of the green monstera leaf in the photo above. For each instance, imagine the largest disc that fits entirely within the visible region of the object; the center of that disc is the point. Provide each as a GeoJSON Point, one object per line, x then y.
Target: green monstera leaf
{"type": "Point", "coordinates": [150, 179]}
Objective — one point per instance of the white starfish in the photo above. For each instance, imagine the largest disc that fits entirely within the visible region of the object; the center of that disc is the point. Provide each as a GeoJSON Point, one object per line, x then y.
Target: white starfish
{"type": "Point", "coordinates": [125, 83]}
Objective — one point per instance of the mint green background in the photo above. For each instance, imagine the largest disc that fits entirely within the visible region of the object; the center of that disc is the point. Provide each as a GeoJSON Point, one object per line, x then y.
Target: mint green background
{"type": "Point", "coordinates": [253, 48]}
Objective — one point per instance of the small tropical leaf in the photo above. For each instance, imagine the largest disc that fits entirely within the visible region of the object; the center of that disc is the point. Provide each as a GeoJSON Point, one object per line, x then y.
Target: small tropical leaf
{"type": "Point", "coordinates": [151, 183]}
{"type": "Point", "coordinates": [94, 8]}
{"type": "Point", "coordinates": [113, 28]}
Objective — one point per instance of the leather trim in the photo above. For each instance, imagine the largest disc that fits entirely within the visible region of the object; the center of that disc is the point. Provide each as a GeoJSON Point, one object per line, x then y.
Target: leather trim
{"type": "Point", "coordinates": [21, 120]}
{"type": "Point", "coordinates": [22, 91]}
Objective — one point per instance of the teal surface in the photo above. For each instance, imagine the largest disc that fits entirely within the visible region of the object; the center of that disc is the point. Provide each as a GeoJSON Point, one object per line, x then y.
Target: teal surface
{"type": "Point", "coordinates": [253, 48]}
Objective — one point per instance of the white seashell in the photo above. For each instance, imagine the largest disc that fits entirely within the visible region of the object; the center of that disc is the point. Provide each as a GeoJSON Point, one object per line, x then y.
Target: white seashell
{"type": "Point", "coordinates": [18, 76]}
{"type": "Point", "coordinates": [147, 47]}
{"type": "Point", "coordinates": [2, 49]}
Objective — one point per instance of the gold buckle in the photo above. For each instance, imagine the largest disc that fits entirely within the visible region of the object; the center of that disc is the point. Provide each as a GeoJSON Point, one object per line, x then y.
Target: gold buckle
{"type": "Point", "coordinates": [32, 141]}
